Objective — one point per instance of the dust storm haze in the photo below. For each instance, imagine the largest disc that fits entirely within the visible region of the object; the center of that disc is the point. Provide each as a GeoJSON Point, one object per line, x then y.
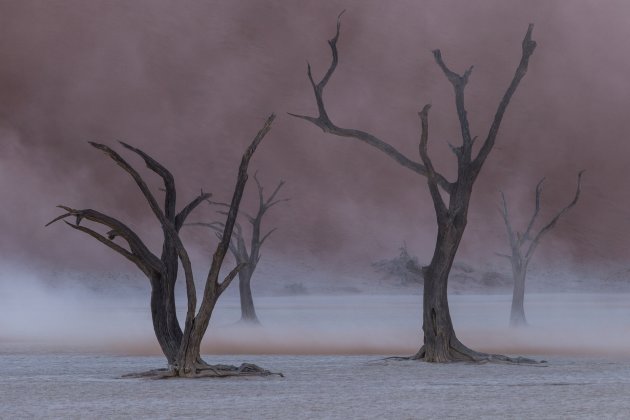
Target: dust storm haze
{"type": "Point", "coordinates": [190, 82]}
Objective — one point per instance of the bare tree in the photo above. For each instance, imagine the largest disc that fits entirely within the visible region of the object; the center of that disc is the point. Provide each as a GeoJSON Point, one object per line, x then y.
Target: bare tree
{"type": "Point", "coordinates": [450, 199]}
{"type": "Point", "coordinates": [523, 245]}
{"type": "Point", "coordinates": [404, 267]}
{"type": "Point", "coordinates": [181, 348]}
{"type": "Point", "coordinates": [238, 247]}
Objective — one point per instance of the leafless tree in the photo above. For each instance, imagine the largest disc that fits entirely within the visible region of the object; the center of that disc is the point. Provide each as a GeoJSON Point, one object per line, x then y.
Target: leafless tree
{"type": "Point", "coordinates": [239, 249]}
{"type": "Point", "coordinates": [181, 348]}
{"type": "Point", "coordinates": [450, 198]}
{"type": "Point", "coordinates": [404, 267]}
{"type": "Point", "coordinates": [523, 245]}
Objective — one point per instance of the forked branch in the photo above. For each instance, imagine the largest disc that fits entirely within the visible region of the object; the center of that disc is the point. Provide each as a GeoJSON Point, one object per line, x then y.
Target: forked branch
{"type": "Point", "coordinates": [183, 214]}
{"type": "Point", "coordinates": [225, 237]}
{"type": "Point", "coordinates": [526, 236]}
{"type": "Point", "coordinates": [459, 83]}
{"type": "Point", "coordinates": [518, 239]}
{"type": "Point", "coordinates": [237, 244]}
{"type": "Point", "coordinates": [165, 174]}
{"type": "Point", "coordinates": [228, 279]}
{"type": "Point", "coordinates": [324, 122]}
{"type": "Point", "coordinates": [171, 235]}
{"type": "Point", "coordinates": [138, 252]}
{"type": "Point", "coordinates": [528, 47]}
{"type": "Point", "coordinates": [266, 204]}
{"type": "Point", "coordinates": [136, 177]}
{"type": "Point", "coordinates": [554, 220]}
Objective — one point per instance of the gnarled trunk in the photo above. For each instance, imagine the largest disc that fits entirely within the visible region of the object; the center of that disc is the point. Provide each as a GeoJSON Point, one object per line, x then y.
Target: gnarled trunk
{"type": "Point", "coordinates": [189, 362]}
{"type": "Point", "coordinates": [437, 324]}
{"type": "Point", "coordinates": [440, 342]}
{"type": "Point", "coordinates": [164, 316]}
{"type": "Point", "coordinates": [248, 311]}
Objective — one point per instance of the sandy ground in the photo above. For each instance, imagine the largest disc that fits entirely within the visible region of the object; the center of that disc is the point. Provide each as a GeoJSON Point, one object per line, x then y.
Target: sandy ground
{"type": "Point", "coordinates": [63, 354]}
{"type": "Point", "coordinates": [314, 387]}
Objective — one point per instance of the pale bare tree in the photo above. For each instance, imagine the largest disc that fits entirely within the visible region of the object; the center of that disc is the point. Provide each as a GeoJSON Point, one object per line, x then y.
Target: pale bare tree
{"type": "Point", "coordinates": [181, 347]}
{"type": "Point", "coordinates": [244, 254]}
{"type": "Point", "coordinates": [450, 198]}
{"type": "Point", "coordinates": [523, 245]}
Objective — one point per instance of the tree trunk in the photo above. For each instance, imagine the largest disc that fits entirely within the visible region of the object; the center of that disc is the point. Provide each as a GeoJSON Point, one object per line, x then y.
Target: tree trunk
{"type": "Point", "coordinates": [517, 313]}
{"type": "Point", "coordinates": [440, 341]}
{"type": "Point", "coordinates": [248, 312]}
{"type": "Point", "coordinates": [189, 362]}
{"type": "Point", "coordinates": [164, 316]}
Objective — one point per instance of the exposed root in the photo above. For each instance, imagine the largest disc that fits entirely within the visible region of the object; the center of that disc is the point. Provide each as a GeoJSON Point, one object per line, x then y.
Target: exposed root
{"type": "Point", "coordinates": [152, 374]}
{"type": "Point", "coordinates": [466, 354]}
{"type": "Point", "coordinates": [419, 355]}
{"type": "Point", "coordinates": [204, 370]}
{"type": "Point", "coordinates": [458, 352]}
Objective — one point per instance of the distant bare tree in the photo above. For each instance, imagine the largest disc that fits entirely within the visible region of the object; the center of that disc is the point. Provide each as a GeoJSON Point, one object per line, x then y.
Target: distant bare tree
{"type": "Point", "coordinates": [523, 245]}
{"type": "Point", "coordinates": [403, 267]}
{"type": "Point", "coordinates": [440, 342]}
{"type": "Point", "coordinates": [181, 348]}
{"type": "Point", "coordinates": [239, 249]}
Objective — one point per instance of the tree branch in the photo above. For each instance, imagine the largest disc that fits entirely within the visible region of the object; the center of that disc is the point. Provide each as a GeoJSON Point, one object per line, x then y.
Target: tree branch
{"type": "Point", "coordinates": [138, 249]}
{"type": "Point", "coordinates": [223, 246]}
{"type": "Point", "coordinates": [169, 181]}
{"type": "Point", "coordinates": [552, 223]}
{"type": "Point", "coordinates": [270, 200]}
{"type": "Point", "coordinates": [438, 202]}
{"type": "Point", "coordinates": [323, 121]}
{"type": "Point", "coordinates": [528, 49]}
{"type": "Point", "coordinates": [191, 290]}
{"type": "Point", "coordinates": [514, 244]}
{"type": "Point", "coordinates": [526, 236]}
{"type": "Point", "coordinates": [226, 282]}
{"type": "Point", "coordinates": [171, 236]}
{"type": "Point", "coordinates": [171, 223]}
{"type": "Point", "coordinates": [225, 213]}
{"type": "Point", "coordinates": [261, 200]}
{"type": "Point", "coordinates": [218, 227]}
{"type": "Point", "coordinates": [459, 84]}
{"type": "Point", "coordinates": [136, 177]}
{"type": "Point", "coordinates": [183, 214]}
{"type": "Point", "coordinates": [262, 240]}
{"type": "Point", "coordinates": [109, 243]}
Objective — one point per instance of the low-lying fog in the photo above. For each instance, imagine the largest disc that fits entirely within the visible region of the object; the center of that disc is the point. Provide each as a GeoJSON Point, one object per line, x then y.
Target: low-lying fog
{"type": "Point", "coordinates": [65, 343]}
{"type": "Point", "coordinates": [72, 316]}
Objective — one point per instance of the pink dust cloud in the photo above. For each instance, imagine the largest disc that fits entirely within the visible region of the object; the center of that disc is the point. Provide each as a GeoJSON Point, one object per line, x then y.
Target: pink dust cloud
{"type": "Point", "coordinates": [191, 82]}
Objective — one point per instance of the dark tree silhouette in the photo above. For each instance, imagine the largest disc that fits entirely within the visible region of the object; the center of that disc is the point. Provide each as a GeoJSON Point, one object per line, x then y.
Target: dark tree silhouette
{"type": "Point", "coordinates": [450, 199]}
{"type": "Point", "coordinates": [523, 245]}
{"type": "Point", "coordinates": [181, 348]}
{"type": "Point", "coordinates": [239, 249]}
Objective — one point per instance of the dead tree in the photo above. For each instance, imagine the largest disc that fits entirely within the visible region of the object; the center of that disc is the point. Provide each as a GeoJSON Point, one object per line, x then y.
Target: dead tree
{"type": "Point", "coordinates": [523, 245]}
{"type": "Point", "coordinates": [239, 249]}
{"type": "Point", "coordinates": [450, 198]}
{"type": "Point", "coordinates": [181, 348]}
{"type": "Point", "coordinates": [404, 267]}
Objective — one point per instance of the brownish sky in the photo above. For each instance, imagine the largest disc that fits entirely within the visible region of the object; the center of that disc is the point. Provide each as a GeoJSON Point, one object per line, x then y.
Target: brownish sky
{"type": "Point", "coordinates": [191, 82]}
